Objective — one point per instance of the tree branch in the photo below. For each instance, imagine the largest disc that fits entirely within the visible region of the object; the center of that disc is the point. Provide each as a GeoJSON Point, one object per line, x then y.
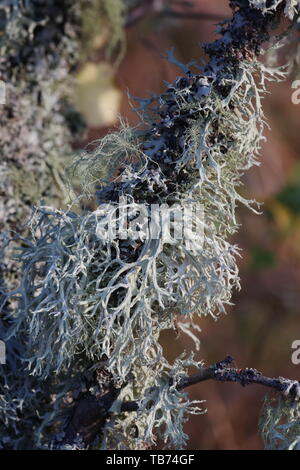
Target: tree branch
{"type": "Point", "coordinates": [143, 9]}
{"type": "Point", "coordinates": [223, 372]}
{"type": "Point", "coordinates": [196, 15]}
{"type": "Point", "coordinates": [91, 412]}
{"type": "Point", "coordinates": [241, 40]}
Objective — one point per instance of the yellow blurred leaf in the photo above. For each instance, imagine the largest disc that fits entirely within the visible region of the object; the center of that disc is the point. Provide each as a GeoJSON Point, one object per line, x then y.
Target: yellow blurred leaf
{"type": "Point", "coordinates": [96, 96]}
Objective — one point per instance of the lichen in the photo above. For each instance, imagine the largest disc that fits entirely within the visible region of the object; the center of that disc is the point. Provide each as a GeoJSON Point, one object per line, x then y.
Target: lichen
{"type": "Point", "coordinates": [291, 7]}
{"type": "Point", "coordinates": [280, 423]}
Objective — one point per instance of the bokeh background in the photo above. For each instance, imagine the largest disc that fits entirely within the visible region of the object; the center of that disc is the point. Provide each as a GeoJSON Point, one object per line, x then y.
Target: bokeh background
{"type": "Point", "coordinates": [260, 327]}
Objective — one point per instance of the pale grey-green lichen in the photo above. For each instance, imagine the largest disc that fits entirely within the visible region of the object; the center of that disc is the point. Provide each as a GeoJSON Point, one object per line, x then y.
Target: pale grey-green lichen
{"type": "Point", "coordinates": [280, 423]}
{"type": "Point", "coordinates": [38, 48]}
{"type": "Point", "coordinates": [291, 7]}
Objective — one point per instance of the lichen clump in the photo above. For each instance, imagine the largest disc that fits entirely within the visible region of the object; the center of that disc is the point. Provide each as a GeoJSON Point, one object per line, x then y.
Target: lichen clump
{"type": "Point", "coordinates": [280, 423]}
{"type": "Point", "coordinates": [38, 49]}
{"type": "Point", "coordinates": [291, 7]}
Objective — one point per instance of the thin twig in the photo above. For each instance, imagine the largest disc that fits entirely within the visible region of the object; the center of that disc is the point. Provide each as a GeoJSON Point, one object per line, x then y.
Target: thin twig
{"type": "Point", "coordinates": [223, 372]}
{"type": "Point", "coordinates": [139, 12]}
{"type": "Point", "coordinates": [91, 412]}
{"type": "Point", "coordinates": [193, 15]}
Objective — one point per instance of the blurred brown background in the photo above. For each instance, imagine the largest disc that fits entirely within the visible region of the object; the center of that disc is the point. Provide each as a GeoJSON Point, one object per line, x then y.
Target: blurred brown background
{"type": "Point", "coordinates": [260, 328]}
